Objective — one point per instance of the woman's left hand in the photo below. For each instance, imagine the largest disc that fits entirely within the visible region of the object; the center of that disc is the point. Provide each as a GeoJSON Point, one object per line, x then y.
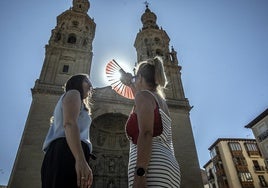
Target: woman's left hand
{"type": "Point", "coordinates": [84, 174]}
{"type": "Point", "coordinates": [140, 182]}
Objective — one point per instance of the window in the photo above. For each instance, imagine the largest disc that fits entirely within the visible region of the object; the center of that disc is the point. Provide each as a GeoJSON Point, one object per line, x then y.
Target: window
{"type": "Point", "coordinates": [210, 174]}
{"type": "Point", "coordinates": [65, 68]}
{"type": "Point", "coordinates": [257, 167]}
{"type": "Point", "coordinates": [262, 131]}
{"type": "Point", "coordinates": [240, 160]}
{"type": "Point", "coordinates": [219, 166]}
{"type": "Point", "coordinates": [245, 177]}
{"type": "Point", "coordinates": [159, 52]}
{"type": "Point", "coordinates": [213, 152]}
{"type": "Point", "coordinates": [262, 181]}
{"type": "Point", "coordinates": [262, 128]}
{"type": "Point", "coordinates": [251, 147]}
{"type": "Point", "coordinates": [72, 39]}
{"type": "Point", "coordinates": [235, 146]}
{"type": "Point", "coordinates": [157, 40]}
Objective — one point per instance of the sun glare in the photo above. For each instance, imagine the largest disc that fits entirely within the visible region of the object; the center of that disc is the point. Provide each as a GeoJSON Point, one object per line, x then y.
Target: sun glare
{"type": "Point", "coordinates": [127, 67]}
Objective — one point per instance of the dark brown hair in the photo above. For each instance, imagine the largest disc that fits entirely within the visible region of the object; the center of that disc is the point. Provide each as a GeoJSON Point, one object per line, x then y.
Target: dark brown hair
{"type": "Point", "coordinates": [76, 82]}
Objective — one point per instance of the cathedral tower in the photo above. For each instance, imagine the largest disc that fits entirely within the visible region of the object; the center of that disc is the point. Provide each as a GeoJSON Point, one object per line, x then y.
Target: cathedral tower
{"type": "Point", "coordinates": [151, 41]}
{"type": "Point", "coordinates": [69, 51]}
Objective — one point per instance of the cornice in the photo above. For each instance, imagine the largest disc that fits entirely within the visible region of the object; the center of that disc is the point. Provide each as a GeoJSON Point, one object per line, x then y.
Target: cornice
{"type": "Point", "coordinates": [257, 119]}
{"type": "Point", "coordinates": [231, 140]}
{"type": "Point", "coordinates": [42, 88]}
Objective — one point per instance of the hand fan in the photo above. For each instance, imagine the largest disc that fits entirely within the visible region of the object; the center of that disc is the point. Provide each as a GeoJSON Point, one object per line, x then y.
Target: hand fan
{"type": "Point", "coordinates": [114, 73]}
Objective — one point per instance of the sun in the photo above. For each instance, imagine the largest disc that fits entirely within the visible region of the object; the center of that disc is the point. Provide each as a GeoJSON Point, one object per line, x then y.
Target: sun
{"type": "Point", "coordinates": [113, 69]}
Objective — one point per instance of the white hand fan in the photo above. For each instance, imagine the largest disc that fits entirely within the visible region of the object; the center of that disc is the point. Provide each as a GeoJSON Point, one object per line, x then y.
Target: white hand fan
{"type": "Point", "coordinates": [114, 73]}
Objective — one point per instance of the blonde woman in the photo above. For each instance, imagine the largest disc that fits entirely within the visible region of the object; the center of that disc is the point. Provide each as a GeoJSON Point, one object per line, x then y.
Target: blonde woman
{"type": "Point", "coordinates": [151, 158]}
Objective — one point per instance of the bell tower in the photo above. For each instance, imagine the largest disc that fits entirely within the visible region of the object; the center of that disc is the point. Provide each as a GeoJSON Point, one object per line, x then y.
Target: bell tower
{"type": "Point", "coordinates": [150, 41]}
{"type": "Point", "coordinates": [69, 51]}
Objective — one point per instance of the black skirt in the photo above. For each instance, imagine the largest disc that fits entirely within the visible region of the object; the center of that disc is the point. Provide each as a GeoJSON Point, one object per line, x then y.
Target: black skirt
{"type": "Point", "coordinates": [58, 167]}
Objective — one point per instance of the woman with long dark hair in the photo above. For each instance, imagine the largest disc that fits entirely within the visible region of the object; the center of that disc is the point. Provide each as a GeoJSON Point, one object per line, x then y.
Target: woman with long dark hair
{"type": "Point", "coordinates": [67, 145]}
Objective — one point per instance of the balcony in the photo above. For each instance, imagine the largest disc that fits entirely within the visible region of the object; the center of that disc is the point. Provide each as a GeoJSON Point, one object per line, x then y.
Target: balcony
{"type": "Point", "coordinates": [253, 153]}
{"type": "Point", "coordinates": [241, 168]}
{"type": "Point", "coordinates": [259, 169]}
{"type": "Point", "coordinates": [220, 172]}
{"type": "Point", "coordinates": [247, 184]}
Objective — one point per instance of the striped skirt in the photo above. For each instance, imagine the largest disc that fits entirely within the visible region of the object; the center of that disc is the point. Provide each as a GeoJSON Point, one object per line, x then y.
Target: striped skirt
{"type": "Point", "coordinates": [163, 169]}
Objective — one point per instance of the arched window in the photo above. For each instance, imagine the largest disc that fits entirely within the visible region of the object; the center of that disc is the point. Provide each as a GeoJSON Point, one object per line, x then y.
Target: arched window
{"type": "Point", "coordinates": [159, 52]}
{"type": "Point", "coordinates": [157, 40]}
{"type": "Point", "coordinates": [72, 39]}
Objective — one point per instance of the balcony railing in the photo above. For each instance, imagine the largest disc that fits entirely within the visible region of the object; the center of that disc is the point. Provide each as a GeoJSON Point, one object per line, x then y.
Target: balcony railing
{"type": "Point", "coordinates": [241, 168]}
{"type": "Point", "coordinates": [259, 168]}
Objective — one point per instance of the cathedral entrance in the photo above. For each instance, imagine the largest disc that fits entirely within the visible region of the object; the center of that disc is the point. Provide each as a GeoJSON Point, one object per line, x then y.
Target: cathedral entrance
{"type": "Point", "coordinates": [111, 147]}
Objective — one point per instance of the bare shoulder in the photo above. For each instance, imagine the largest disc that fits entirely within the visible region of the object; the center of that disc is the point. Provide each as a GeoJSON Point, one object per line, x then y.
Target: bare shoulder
{"type": "Point", "coordinates": [162, 104]}
{"type": "Point", "coordinates": [145, 98]}
{"type": "Point", "coordinates": [72, 96]}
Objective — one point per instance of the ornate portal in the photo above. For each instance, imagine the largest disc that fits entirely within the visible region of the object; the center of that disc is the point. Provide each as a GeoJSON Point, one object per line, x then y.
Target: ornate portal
{"type": "Point", "coordinates": [111, 147]}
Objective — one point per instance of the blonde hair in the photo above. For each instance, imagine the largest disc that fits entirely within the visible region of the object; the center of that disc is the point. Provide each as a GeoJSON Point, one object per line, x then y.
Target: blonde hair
{"type": "Point", "coordinates": [154, 74]}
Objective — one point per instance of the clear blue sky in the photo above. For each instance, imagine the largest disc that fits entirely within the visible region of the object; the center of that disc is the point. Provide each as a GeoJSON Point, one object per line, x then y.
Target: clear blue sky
{"type": "Point", "coordinates": [222, 47]}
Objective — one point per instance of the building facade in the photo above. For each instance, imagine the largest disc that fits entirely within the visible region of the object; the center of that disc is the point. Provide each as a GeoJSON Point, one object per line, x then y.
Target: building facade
{"type": "Point", "coordinates": [68, 52]}
{"type": "Point", "coordinates": [259, 127]}
{"type": "Point", "coordinates": [236, 163]}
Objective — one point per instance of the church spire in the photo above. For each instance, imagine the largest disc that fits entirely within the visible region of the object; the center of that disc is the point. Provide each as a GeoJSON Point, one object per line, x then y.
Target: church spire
{"type": "Point", "coordinates": [153, 41]}
{"type": "Point", "coordinates": [148, 18]}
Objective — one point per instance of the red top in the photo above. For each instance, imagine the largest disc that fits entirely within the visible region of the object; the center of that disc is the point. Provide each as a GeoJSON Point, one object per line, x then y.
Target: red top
{"type": "Point", "coordinates": [132, 128]}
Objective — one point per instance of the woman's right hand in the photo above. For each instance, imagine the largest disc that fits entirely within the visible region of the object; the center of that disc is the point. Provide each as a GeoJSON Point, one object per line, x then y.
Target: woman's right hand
{"type": "Point", "coordinates": [126, 78]}
{"type": "Point", "coordinates": [84, 174]}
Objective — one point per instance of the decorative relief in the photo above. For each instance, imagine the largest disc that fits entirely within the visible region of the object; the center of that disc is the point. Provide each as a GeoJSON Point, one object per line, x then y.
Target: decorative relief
{"type": "Point", "coordinates": [110, 146]}
{"type": "Point", "coordinates": [101, 139]}
{"type": "Point", "coordinates": [110, 140]}
{"type": "Point", "coordinates": [123, 141]}
{"type": "Point", "coordinates": [111, 165]}
{"type": "Point", "coordinates": [111, 184]}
